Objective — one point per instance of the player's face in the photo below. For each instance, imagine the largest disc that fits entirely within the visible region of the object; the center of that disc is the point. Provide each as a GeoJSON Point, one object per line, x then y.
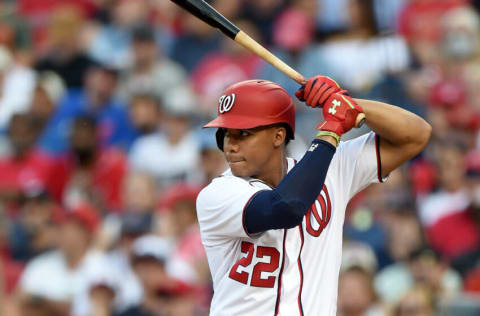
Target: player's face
{"type": "Point", "coordinates": [251, 152]}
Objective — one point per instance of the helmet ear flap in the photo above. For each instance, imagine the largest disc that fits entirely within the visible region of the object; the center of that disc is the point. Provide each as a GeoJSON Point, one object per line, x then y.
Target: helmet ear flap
{"type": "Point", "coordinates": [219, 135]}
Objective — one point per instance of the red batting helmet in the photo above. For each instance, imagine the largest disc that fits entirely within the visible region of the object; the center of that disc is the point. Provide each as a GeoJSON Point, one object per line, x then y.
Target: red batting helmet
{"type": "Point", "coordinates": [253, 103]}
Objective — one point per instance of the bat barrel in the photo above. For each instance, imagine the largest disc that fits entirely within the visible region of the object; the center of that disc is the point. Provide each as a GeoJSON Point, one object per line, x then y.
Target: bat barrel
{"type": "Point", "coordinates": [209, 15]}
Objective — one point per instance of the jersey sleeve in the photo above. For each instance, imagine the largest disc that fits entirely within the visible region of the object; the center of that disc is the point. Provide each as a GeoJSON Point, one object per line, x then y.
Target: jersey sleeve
{"type": "Point", "coordinates": [221, 206]}
{"type": "Point", "coordinates": [359, 163]}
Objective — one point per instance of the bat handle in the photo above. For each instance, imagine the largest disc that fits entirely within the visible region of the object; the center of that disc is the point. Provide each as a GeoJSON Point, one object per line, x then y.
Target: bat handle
{"type": "Point", "coordinates": [252, 45]}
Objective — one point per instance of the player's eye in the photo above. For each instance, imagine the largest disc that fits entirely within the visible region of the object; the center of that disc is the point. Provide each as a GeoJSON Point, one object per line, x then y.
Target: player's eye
{"type": "Point", "coordinates": [245, 133]}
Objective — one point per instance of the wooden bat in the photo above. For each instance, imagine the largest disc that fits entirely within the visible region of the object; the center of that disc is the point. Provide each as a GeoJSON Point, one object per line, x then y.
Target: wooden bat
{"type": "Point", "coordinates": [212, 17]}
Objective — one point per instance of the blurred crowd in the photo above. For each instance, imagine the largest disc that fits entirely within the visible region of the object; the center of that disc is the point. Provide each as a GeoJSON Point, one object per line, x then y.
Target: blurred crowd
{"type": "Point", "coordinates": [102, 152]}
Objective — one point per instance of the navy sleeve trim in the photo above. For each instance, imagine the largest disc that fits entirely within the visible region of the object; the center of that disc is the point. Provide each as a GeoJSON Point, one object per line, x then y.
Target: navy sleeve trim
{"type": "Point", "coordinates": [379, 160]}
{"type": "Point", "coordinates": [243, 214]}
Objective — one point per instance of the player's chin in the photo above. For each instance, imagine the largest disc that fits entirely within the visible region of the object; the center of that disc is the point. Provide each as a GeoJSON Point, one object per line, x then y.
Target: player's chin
{"type": "Point", "coordinates": [239, 169]}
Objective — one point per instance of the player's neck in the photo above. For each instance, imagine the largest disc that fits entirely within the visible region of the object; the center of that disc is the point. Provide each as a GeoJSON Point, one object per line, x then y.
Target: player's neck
{"type": "Point", "coordinates": [277, 170]}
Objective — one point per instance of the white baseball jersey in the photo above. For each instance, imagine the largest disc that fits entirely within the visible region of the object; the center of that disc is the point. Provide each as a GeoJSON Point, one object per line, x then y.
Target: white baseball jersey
{"type": "Point", "coordinates": [284, 271]}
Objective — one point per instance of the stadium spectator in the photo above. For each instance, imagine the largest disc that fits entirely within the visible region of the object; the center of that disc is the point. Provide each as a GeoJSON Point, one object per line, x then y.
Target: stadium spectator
{"type": "Point", "coordinates": [198, 37]}
{"type": "Point", "coordinates": [97, 100]}
{"type": "Point", "coordinates": [15, 32]}
{"type": "Point", "coordinates": [362, 41]}
{"type": "Point", "coordinates": [404, 235]}
{"type": "Point", "coordinates": [469, 261]}
{"type": "Point", "coordinates": [211, 162]}
{"type": "Point", "coordinates": [17, 83]}
{"type": "Point", "coordinates": [88, 172]}
{"type": "Point", "coordinates": [417, 301]}
{"type": "Point", "coordinates": [292, 42]}
{"type": "Point", "coordinates": [49, 90]}
{"type": "Point", "coordinates": [140, 194]}
{"type": "Point", "coordinates": [66, 268]}
{"type": "Point", "coordinates": [424, 266]}
{"type": "Point", "coordinates": [178, 220]}
{"type": "Point", "coordinates": [10, 270]}
{"type": "Point", "coordinates": [125, 291]}
{"type": "Point", "coordinates": [145, 111]}
{"type": "Point", "coordinates": [356, 296]}
{"type": "Point", "coordinates": [25, 164]}
{"type": "Point", "coordinates": [221, 68]}
{"type": "Point", "coordinates": [33, 231]}
{"type": "Point", "coordinates": [63, 53]}
{"type": "Point", "coordinates": [170, 154]}
{"type": "Point", "coordinates": [420, 24]}
{"type": "Point", "coordinates": [150, 70]}
{"type": "Point", "coordinates": [263, 15]}
{"type": "Point", "coordinates": [110, 43]}
{"type": "Point", "coordinates": [449, 224]}
{"type": "Point", "coordinates": [150, 254]}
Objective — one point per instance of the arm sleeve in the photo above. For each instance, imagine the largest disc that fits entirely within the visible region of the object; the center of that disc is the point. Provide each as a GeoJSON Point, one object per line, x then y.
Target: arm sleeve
{"type": "Point", "coordinates": [286, 205]}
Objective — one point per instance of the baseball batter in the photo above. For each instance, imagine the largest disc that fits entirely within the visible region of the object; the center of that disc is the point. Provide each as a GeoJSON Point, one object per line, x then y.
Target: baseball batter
{"type": "Point", "coordinates": [271, 226]}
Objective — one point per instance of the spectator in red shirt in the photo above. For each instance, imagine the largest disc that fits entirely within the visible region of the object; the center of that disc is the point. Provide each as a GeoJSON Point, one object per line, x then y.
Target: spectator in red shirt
{"type": "Point", "coordinates": [24, 164]}
{"type": "Point", "coordinates": [420, 24]}
{"type": "Point", "coordinates": [446, 216]}
{"type": "Point", "coordinates": [89, 173]}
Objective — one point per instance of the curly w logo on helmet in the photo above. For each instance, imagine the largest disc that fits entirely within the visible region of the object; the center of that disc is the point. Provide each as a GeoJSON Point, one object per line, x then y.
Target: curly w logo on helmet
{"type": "Point", "coordinates": [226, 102]}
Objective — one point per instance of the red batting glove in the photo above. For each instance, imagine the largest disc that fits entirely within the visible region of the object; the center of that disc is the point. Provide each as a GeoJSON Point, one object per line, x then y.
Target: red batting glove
{"type": "Point", "coordinates": [340, 113]}
{"type": "Point", "coordinates": [317, 90]}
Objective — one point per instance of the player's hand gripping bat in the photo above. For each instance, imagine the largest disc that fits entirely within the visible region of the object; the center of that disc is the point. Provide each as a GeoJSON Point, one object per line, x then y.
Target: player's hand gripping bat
{"type": "Point", "coordinates": [212, 17]}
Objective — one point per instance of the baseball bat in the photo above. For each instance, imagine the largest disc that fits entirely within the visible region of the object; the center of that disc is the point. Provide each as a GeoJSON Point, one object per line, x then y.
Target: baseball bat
{"type": "Point", "coordinates": [212, 17]}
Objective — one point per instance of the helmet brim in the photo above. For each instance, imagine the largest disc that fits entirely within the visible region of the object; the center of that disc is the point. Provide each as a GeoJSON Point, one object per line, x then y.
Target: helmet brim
{"type": "Point", "coordinates": [240, 122]}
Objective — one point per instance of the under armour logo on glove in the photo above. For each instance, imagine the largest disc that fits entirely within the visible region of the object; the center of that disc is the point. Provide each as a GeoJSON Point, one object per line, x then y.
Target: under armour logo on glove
{"type": "Point", "coordinates": [332, 109]}
{"type": "Point", "coordinates": [225, 103]}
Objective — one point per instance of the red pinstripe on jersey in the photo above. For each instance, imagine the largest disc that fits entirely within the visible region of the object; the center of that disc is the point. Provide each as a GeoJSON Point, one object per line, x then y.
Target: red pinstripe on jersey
{"type": "Point", "coordinates": [300, 270]}
{"type": "Point", "coordinates": [379, 161]}
{"type": "Point", "coordinates": [279, 286]}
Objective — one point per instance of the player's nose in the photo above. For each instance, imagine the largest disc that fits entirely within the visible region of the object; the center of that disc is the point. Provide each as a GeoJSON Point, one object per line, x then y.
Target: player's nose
{"type": "Point", "coordinates": [231, 145]}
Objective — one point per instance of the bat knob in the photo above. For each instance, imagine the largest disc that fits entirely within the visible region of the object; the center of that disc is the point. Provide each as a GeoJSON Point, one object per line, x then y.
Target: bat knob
{"type": "Point", "coordinates": [360, 120]}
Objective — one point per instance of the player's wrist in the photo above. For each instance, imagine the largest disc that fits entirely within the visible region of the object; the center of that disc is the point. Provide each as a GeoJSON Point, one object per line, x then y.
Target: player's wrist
{"type": "Point", "coordinates": [329, 136]}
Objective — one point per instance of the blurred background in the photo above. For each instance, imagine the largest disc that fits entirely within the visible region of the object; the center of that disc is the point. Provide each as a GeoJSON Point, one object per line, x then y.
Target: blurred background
{"type": "Point", "coordinates": [102, 154]}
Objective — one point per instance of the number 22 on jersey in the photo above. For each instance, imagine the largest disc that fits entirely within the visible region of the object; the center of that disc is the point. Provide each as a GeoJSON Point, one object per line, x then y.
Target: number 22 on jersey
{"type": "Point", "coordinates": [319, 213]}
{"type": "Point", "coordinates": [261, 252]}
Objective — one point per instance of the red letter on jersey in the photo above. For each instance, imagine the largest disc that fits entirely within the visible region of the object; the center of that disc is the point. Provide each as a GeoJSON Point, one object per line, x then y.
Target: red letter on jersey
{"type": "Point", "coordinates": [247, 248]}
{"type": "Point", "coordinates": [265, 267]}
{"type": "Point", "coordinates": [325, 208]}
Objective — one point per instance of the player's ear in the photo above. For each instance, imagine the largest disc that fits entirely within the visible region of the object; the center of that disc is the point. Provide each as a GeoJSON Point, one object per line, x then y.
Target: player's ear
{"type": "Point", "coordinates": [279, 136]}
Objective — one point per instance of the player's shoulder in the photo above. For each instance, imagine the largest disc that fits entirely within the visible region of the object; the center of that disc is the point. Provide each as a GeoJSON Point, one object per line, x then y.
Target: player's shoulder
{"type": "Point", "coordinates": [221, 188]}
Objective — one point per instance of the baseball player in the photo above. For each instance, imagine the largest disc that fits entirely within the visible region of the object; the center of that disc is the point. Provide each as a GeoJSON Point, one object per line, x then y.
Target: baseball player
{"type": "Point", "coordinates": [271, 226]}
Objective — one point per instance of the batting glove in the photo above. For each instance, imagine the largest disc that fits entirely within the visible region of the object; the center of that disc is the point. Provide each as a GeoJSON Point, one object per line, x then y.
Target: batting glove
{"type": "Point", "coordinates": [340, 113]}
{"type": "Point", "coordinates": [317, 90]}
